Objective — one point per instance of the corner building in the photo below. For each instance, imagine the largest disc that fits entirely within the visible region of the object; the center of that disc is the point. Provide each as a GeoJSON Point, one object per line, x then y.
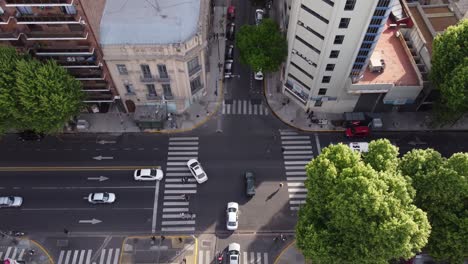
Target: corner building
{"type": "Point", "coordinates": [330, 43]}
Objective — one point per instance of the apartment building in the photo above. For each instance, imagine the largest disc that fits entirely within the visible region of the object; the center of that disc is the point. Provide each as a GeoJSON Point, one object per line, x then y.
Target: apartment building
{"type": "Point", "coordinates": [156, 53]}
{"type": "Point", "coordinates": [59, 30]}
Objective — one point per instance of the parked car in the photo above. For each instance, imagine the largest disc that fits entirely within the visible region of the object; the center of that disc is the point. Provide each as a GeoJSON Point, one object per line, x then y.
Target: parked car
{"type": "Point", "coordinates": [258, 16]}
{"type": "Point", "coordinates": [10, 201]}
{"type": "Point", "coordinates": [197, 170]}
{"type": "Point", "coordinates": [234, 253]}
{"type": "Point", "coordinates": [228, 64]}
{"type": "Point", "coordinates": [232, 216]}
{"type": "Point", "coordinates": [249, 183]}
{"type": "Point", "coordinates": [258, 75]}
{"type": "Point", "coordinates": [359, 146]}
{"type": "Point", "coordinates": [231, 31]}
{"type": "Point", "coordinates": [231, 12]}
{"type": "Point", "coordinates": [29, 135]}
{"type": "Point", "coordinates": [357, 132]}
{"type": "Point", "coordinates": [148, 174]}
{"type": "Point", "coordinates": [229, 52]}
{"type": "Point", "coordinates": [101, 198]}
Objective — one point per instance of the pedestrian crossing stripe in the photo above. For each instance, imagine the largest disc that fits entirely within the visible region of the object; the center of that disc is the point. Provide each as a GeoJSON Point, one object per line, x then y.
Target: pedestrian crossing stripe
{"type": "Point", "coordinates": [14, 254]}
{"type": "Point", "coordinates": [84, 256]}
{"type": "Point", "coordinates": [244, 107]}
{"type": "Point", "coordinates": [206, 257]}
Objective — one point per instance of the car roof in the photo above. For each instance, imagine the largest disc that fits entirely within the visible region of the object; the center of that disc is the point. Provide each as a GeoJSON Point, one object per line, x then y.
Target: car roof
{"type": "Point", "coordinates": [145, 171]}
{"type": "Point", "coordinates": [234, 246]}
{"type": "Point", "coordinates": [98, 196]}
{"type": "Point", "coordinates": [232, 217]}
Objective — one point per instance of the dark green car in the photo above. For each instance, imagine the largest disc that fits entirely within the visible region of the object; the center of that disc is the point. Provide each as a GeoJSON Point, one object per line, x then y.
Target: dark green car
{"type": "Point", "coordinates": [249, 183]}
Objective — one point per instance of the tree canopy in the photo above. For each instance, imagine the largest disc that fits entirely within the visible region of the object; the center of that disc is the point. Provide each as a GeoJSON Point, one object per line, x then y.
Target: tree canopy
{"type": "Point", "coordinates": [441, 191]}
{"type": "Point", "coordinates": [262, 47]}
{"type": "Point", "coordinates": [357, 214]}
{"type": "Point", "coordinates": [449, 70]}
{"type": "Point", "coordinates": [36, 96]}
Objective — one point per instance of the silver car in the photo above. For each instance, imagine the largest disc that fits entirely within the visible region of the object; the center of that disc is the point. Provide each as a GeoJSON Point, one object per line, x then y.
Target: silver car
{"type": "Point", "coordinates": [11, 201]}
{"type": "Point", "coordinates": [101, 198]}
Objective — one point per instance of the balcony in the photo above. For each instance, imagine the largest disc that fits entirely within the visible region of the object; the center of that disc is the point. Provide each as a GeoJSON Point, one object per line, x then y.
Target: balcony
{"type": "Point", "coordinates": [95, 86]}
{"type": "Point", "coordinates": [48, 19]}
{"type": "Point", "coordinates": [90, 76]}
{"type": "Point", "coordinates": [38, 2]}
{"type": "Point", "coordinates": [39, 35]}
{"type": "Point", "coordinates": [71, 62]}
{"type": "Point", "coordinates": [55, 51]}
{"type": "Point", "coordinates": [147, 78]}
{"type": "Point", "coordinates": [194, 70]}
{"type": "Point", "coordinates": [99, 97]}
{"type": "Point", "coordinates": [152, 97]}
{"type": "Point", "coordinates": [164, 79]}
{"type": "Point", "coordinates": [10, 35]}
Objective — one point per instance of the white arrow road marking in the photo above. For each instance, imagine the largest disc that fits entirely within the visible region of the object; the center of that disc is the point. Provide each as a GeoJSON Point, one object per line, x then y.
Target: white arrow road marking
{"type": "Point", "coordinates": [102, 142]}
{"type": "Point", "coordinates": [155, 207]}
{"type": "Point", "coordinates": [92, 221]}
{"type": "Point", "coordinates": [100, 178]}
{"type": "Point", "coordinates": [100, 157]}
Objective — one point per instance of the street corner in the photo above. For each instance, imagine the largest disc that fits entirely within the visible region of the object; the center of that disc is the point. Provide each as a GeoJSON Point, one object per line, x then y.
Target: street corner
{"type": "Point", "coordinates": [159, 249]}
{"type": "Point", "coordinates": [289, 254]}
{"type": "Point", "coordinates": [23, 250]}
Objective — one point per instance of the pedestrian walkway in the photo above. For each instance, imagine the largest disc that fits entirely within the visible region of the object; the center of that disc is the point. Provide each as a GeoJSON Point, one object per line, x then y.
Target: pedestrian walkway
{"type": "Point", "coordinates": [85, 256]}
{"type": "Point", "coordinates": [297, 152]}
{"type": "Point", "coordinates": [206, 256]}
{"type": "Point", "coordinates": [244, 107]}
{"type": "Point", "coordinates": [12, 253]}
{"type": "Point", "coordinates": [176, 215]}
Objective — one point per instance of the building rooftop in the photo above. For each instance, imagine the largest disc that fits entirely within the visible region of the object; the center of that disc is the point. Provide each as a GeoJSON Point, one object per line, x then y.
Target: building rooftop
{"type": "Point", "coordinates": [398, 68]}
{"type": "Point", "coordinates": [149, 21]}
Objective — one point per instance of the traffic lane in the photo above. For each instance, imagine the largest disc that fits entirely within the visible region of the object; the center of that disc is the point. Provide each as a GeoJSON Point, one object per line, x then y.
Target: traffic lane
{"type": "Point", "coordinates": [251, 126]}
{"type": "Point", "coordinates": [108, 178]}
{"type": "Point", "coordinates": [111, 220]}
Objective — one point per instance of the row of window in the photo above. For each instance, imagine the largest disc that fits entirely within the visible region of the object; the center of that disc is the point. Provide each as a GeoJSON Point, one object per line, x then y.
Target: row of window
{"type": "Point", "coordinates": [320, 36]}
{"type": "Point", "coordinates": [349, 5]}
{"type": "Point", "coordinates": [193, 66]}
{"type": "Point", "coordinates": [307, 44]}
{"type": "Point", "coordinates": [304, 58]}
{"type": "Point", "coordinates": [315, 14]}
{"type": "Point", "coordinates": [195, 85]}
{"type": "Point", "coordinates": [302, 70]}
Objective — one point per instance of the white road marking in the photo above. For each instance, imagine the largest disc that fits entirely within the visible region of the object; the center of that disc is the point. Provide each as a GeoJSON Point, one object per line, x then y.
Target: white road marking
{"type": "Point", "coordinates": [297, 147]}
{"type": "Point", "coordinates": [301, 162]}
{"type": "Point", "coordinates": [183, 148]}
{"type": "Point", "coordinates": [296, 178]}
{"type": "Point", "coordinates": [182, 185]}
{"type": "Point", "coordinates": [109, 256]}
{"type": "Point", "coordinates": [103, 254]}
{"type": "Point", "coordinates": [297, 202]}
{"type": "Point", "coordinates": [182, 153]}
{"type": "Point", "coordinates": [177, 229]}
{"type": "Point", "coordinates": [293, 142]}
{"type": "Point", "coordinates": [20, 257]}
{"type": "Point", "coordinates": [266, 113]}
{"type": "Point", "coordinates": [178, 191]}
{"type": "Point", "coordinates": [291, 173]}
{"type": "Point", "coordinates": [175, 163]}
{"type": "Point", "coordinates": [169, 210]}
{"type": "Point", "coordinates": [7, 254]}
{"type": "Point", "coordinates": [317, 141]}
{"type": "Point", "coordinates": [287, 152]}
{"type": "Point", "coordinates": [189, 222]}
{"type": "Point", "coordinates": [245, 257]}
{"type": "Point", "coordinates": [295, 167]}
{"type": "Point", "coordinates": [239, 106]}
{"type": "Point", "coordinates": [245, 107]}
{"type": "Point", "coordinates": [228, 108]}
{"type": "Point", "coordinates": [80, 260]}
{"type": "Point", "coordinates": [295, 184]}
{"type": "Point", "coordinates": [60, 259]}
{"type": "Point", "coordinates": [296, 190]}
{"type": "Point", "coordinates": [255, 109]}
{"type": "Point", "coordinates": [117, 256]}
{"type": "Point", "coordinates": [182, 138]}
{"type": "Point", "coordinates": [175, 203]}
{"type": "Point", "coordinates": [250, 109]}
{"type": "Point", "coordinates": [297, 195]}
{"type": "Point", "coordinates": [88, 256]}
{"type": "Point", "coordinates": [155, 207]}
{"type": "Point", "coordinates": [171, 174]}
{"type": "Point", "coordinates": [294, 137]}
{"type": "Point", "coordinates": [182, 143]}
{"type": "Point", "coordinates": [298, 157]}
{"type": "Point", "coordinates": [15, 250]}
{"type": "Point", "coordinates": [294, 208]}
{"type": "Point", "coordinates": [172, 197]}
{"type": "Point", "coordinates": [288, 133]}
{"type": "Point", "coordinates": [172, 216]}
{"type": "Point", "coordinates": [265, 258]}
{"type": "Point", "coordinates": [67, 258]}
{"type": "Point", "coordinates": [181, 158]}
{"type": "Point", "coordinates": [179, 180]}
{"type": "Point", "coordinates": [176, 168]}
{"type": "Point", "coordinates": [75, 255]}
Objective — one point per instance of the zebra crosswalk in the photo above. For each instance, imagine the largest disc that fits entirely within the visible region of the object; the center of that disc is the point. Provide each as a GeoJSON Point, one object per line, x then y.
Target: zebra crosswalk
{"type": "Point", "coordinates": [176, 216]}
{"type": "Point", "coordinates": [297, 152]}
{"type": "Point", "coordinates": [12, 253]}
{"type": "Point", "coordinates": [206, 257]}
{"type": "Point", "coordinates": [244, 107]}
{"type": "Point", "coordinates": [85, 256]}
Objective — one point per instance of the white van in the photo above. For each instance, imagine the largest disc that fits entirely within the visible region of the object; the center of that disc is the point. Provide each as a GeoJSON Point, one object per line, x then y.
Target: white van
{"type": "Point", "coordinates": [359, 146]}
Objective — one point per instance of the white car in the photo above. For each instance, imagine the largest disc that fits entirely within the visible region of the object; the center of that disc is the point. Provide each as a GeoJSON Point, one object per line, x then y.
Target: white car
{"type": "Point", "coordinates": [104, 198]}
{"type": "Point", "coordinates": [148, 175]}
{"type": "Point", "coordinates": [234, 253]}
{"type": "Point", "coordinates": [258, 75]}
{"type": "Point", "coordinates": [197, 170]}
{"type": "Point", "coordinates": [258, 16]}
{"type": "Point", "coordinates": [11, 201]}
{"type": "Point", "coordinates": [359, 146]}
{"type": "Point", "coordinates": [232, 216]}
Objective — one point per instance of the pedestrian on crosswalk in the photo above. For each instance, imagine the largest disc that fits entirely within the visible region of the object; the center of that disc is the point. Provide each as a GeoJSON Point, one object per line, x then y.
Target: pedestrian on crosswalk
{"type": "Point", "coordinates": [186, 197]}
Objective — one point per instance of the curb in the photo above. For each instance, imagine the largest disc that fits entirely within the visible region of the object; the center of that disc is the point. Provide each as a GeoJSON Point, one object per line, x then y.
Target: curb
{"type": "Point", "coordinates": [44, 250]}
{"type": "Point", "coordinates": [284, 250]}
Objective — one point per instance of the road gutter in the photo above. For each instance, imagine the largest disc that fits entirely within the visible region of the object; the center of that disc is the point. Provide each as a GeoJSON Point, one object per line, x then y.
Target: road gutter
{"type": "Point", "coordinates": [155, 207]}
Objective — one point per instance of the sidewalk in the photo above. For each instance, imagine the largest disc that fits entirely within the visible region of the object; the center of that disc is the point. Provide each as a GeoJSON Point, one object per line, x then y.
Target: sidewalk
{"type": "Point", "coordinates": [290, 255]}
{"type": "Point", "coordinates": [23, 250]}
{"type": "Point", "coordinates": [294, 116]}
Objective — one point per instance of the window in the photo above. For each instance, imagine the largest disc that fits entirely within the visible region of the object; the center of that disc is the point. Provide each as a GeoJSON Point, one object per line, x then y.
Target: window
{"type": "Point", "coordinates": [129, 88]}
{"type": "Point", "coordinates": [162, 71]}
{"type": "Point", "coordinates": [326, 79]}
{"type": "Point", "coordinates": [145, 69]}
{"type": "Point", "coordinates": [193, 66]}
{"type": "Point", "coordinates": [376, 21]}
{"type": "Point", "coordinates": [349, 5]}
{"type": "Point", "coordinates": [167, 91]}
{"type": "Point", "coordinates": [322, 91]}
{"type": "Point", "coordinates": [298, 81]}
{"type": "Point", "coordinates": [360, 60]}
{"type": "Point", "coordinates": [195, 84]}
{"type": "Point", "coordinates": [151, 90]}
{"type": "Point", "coordinates": [366, 45]}
{"type": "Point", "coordinates": [318, 103]}
{"type": "Point", "coordinates": [369, 38]}
{"type": "Point", "coordinates": [122, 69]}
{"type": "Point", "coordinates": [320, 36]}
{"type": "Point", "coordinates": [344, 22]}
{"type": "Point", "coordinates": [301, 70]}
{"type": "Point", "coordinates": [334, 53]}
{"type": "Point", "coordinates": [357, 66]}
{"type": "Point", "coordinates": [363, 53]}
{"type": "Point", "coordinates": [304, 58]}
{"type": "Point", "coordinates": [338, 39]}
{"type": "Point", "coordinates": [330, 67]}
{"type": "Point", "coordinates": [372, 30]}
{"type": "Point", "coordinates": [69, 10]}
{"type": "Point", "coordinates": [383, 3]}
{"type": "Point", "coordinates": [312, 12]}
{"type": "Point", "coordinates": [329, 2]}
{"type": "Point", "coordinates": [307, 44]}
{"type": "Point", "coordinates": [380, 12]}
{"type": "Point", "coordinates": [24, 10]}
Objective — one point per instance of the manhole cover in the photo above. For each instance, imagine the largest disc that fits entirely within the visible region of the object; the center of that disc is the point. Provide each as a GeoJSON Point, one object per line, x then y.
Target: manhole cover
{"type": "Point", "coordinates": [62, 243]}
{"type": "Point", "coordinates": [206, 243]}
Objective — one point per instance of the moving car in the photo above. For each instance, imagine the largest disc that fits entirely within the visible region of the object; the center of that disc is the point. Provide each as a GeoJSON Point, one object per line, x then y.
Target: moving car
{"type": "Point", "coordinates": [231, 11]}
{"type": "Point", "coordinates": [231, 31]}
{"type": "Point", "coordinates": [29, 135]}
{"type": "Point", "coordinates": [359, 146]}
{"type": "Point", "coordinates": [229, 52]}
{"type": "Point", "coordinates": [101, 198]}
{"type": "Point", "coordinates": [258, 16]}
{"type": "Point", "coordinates": [249, 183]}
{"type": "Point", "coordinates": [232, 216]}
{"type": "Point", "coordinates": [357, 132]}
{"type": "Point", "coordinates": [10, 201]}
{"type": "Point", "coordinates": [148, 174]}
{"type": "Point", "coordinates": [234, 253]}
{"type": "Point", "coordinates": [228, 68]}
{"type": "Point", "coordinates": [197, 170]}
{"type": "Point", "coordinates": [258, 75]}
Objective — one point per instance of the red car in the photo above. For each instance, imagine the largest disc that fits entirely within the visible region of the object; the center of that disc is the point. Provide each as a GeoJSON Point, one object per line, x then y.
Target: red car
{"type": "Point", "coordinates": [231, 11]}
{"type": "Point", "coordinates": [357, 132]}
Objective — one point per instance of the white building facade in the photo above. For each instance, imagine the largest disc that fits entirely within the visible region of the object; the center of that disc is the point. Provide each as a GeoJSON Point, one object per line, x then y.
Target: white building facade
{"type": "Point", "coordinates": [330, 43]}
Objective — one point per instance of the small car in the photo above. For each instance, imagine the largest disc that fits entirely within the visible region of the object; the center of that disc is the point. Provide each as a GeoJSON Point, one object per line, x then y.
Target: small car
{"type": "Point", "coordinates": [232, 216]}
{"type": "Point", "coordinates": [258, 75]}
{"type": "Point", "coordinates": [357, 132]}
{"type": "Point", "coordinates": [249, 183]}
{"type": "Point", "coordinates": [234, 253]}
{"type": "Point", "coordinates": [231, 31]}
{"type": "Point", "coordinates": [258, 16]}
{"type": "Point", "coordinates": [29, 135]}
{"type": "Point", "coordinates": [228, 65]}
{"type": "Point", "coordinates": [229, 52]}
{"type": "Point", "coordinates": [359, 146]}
{"type": "Point", "coordinates": [148, 174]}
{"type": "Point", "coordinates": [10, 201]}
{"type": "Point", "coordinates": [101, 198]}
{"type": "Point", "coordinates": [231, 12]}
{"type": "Point", "coordinates": [197, 170]}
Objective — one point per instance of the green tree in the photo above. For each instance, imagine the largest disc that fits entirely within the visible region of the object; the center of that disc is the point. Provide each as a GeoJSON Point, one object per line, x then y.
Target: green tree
{"type": "Point", "coordinates": [449, 71]}
{"type": "Point", "coordinates": [46, 96]}
{"type": "Point", "coordinates": [442, 191]}
{"type": "Point", "coordinates": [8, 59]}
{"type": "Point", "coordinates": [355, 214]}
{"type": "Point", "coordinates": [262, 47]}
{"type": "Point", "coordinates": [382, 155]}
